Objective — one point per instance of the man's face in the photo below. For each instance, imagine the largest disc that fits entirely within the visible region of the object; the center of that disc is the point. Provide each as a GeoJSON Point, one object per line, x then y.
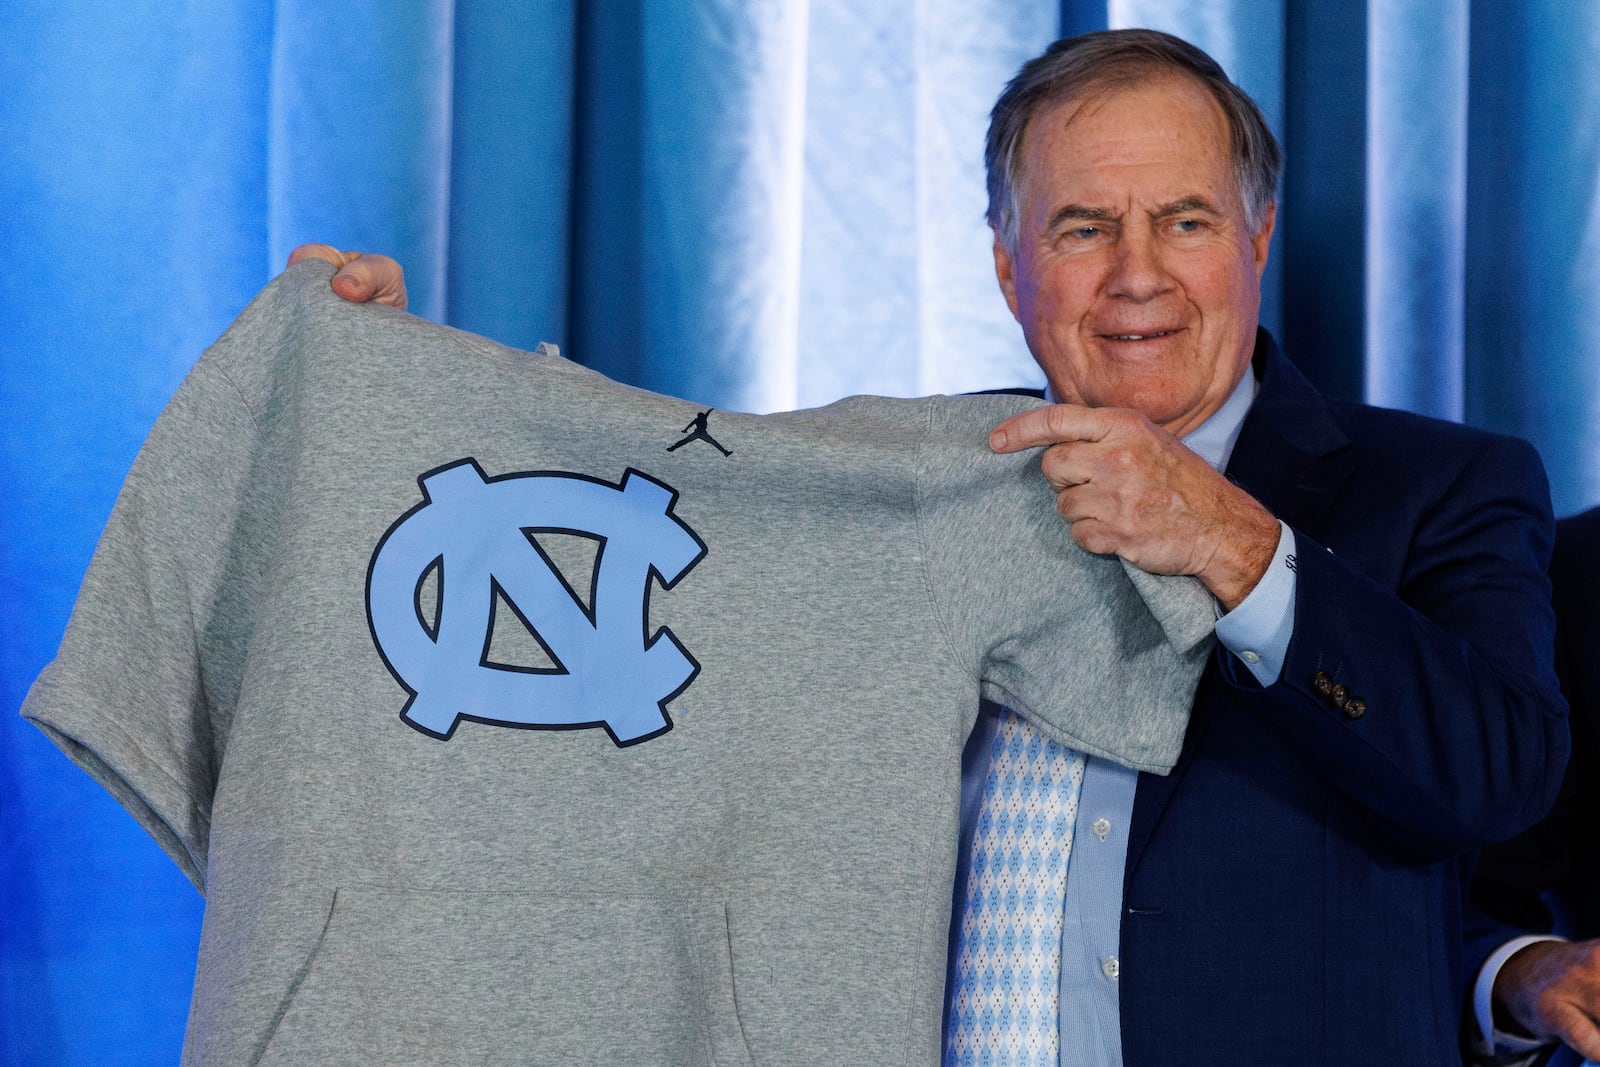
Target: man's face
{"type": "Point", "coordinates": [1135, 278]}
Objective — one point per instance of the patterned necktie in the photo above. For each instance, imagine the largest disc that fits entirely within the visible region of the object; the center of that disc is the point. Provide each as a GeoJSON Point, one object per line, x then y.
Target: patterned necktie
{"type": "Point", "coordinates": [1005, 1008]}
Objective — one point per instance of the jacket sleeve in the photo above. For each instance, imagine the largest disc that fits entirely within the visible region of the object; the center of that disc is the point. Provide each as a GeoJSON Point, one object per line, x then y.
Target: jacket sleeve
{"type": "Point", "coordinates": [1427, 695]}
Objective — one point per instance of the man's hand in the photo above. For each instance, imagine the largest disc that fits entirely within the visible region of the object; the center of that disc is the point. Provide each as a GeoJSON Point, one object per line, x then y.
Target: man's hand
{"type": "Point", "coordinates": [1129, 487]}
{"type": "Point", "coordinates": [1551, 990]}
{"type": "Point", "coordinates": [361, 277]}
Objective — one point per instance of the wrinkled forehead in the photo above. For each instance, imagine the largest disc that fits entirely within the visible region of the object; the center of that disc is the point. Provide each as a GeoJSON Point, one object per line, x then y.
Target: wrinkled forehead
{"type": "Point", "coordinates": [1192, 115]}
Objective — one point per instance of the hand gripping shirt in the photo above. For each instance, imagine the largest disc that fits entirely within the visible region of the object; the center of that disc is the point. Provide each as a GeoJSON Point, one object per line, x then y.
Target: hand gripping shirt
{"type": "Point", "coordinates": [506, 714]}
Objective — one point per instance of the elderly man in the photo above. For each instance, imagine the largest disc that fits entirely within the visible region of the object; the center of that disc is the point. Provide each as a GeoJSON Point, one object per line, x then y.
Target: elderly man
{"type": "Point", "coordinates": [1383, 701]}
{"type": "Point", "coordinates": [1386, 701]}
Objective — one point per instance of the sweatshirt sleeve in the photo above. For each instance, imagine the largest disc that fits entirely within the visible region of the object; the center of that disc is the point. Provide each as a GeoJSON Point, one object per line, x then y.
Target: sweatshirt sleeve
{"type": "Point", "coordinates": [141, 692]}
{"type": "Point", "coordinates": [1102, 656]}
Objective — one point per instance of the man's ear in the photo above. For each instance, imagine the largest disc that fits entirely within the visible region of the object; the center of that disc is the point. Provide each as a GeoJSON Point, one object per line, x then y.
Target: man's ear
{"type": "Point", "coordinates": [1261, 241]}
{"type": "Point", "coordinates": [1005, 273]}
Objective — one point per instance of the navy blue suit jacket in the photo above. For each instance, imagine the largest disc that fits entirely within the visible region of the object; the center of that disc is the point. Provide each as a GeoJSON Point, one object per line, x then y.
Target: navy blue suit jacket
{"type": "Point", "coordinates": [1293, 890]}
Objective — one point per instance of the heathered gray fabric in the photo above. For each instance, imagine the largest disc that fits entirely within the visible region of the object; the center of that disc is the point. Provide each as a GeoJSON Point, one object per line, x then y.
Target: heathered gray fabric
{"type": "Point", "coordinates": [767, 881]}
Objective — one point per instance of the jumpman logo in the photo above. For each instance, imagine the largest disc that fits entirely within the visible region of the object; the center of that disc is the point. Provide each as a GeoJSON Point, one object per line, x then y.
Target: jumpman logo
{"type": "Point", "coordinates": [696, 431]}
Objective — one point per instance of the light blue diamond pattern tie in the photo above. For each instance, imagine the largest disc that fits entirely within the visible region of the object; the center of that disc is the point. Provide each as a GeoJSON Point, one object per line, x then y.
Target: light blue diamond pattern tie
{"type": "Point", "coordinates": [1005, 1009]}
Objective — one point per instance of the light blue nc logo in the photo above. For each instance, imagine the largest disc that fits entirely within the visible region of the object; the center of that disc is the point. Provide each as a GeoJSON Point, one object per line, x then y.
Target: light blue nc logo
{"type": "Point", "coordinates": [473, 541]}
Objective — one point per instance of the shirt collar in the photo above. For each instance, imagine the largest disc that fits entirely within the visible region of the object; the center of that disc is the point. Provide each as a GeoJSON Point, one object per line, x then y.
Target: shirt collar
{"type": "Point", "coordinates": [1213, 440]}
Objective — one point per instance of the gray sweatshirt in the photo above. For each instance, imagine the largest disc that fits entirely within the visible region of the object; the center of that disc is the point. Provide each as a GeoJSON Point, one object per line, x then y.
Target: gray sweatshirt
{"type": "Point", "coordinates": [506, 714]}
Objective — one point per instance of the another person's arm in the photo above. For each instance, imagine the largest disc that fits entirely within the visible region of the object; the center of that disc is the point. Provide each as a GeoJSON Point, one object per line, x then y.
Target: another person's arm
{"type": "Point", "coordinates": [1530, 988]}
{"type": "Point", "coordinates": [1549, 990]}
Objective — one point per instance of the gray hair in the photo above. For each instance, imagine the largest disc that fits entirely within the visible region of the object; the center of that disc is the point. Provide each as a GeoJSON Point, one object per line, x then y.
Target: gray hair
{"type": "Point", "coordinates": [1111, 59]}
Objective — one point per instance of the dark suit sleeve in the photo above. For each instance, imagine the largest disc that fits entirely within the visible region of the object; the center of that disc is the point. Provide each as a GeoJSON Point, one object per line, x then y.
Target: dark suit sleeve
{"type": "Point", "coordinates": [1420, 683]}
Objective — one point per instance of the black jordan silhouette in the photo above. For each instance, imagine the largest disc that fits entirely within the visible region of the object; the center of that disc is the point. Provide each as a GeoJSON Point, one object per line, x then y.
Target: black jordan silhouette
{"type": "Point", "coordinates": [696, 431]}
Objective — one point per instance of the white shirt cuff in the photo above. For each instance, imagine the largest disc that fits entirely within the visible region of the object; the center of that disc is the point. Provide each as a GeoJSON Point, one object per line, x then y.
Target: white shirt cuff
{"type": "Point", "coordinates": [1258, 630]}
{"type": "Point", "coordinates": [1495, 1042]}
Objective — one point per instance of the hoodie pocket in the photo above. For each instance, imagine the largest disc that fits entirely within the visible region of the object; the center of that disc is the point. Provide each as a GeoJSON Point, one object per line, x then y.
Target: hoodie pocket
{"type": "Point", "coordinates": [410, 976]}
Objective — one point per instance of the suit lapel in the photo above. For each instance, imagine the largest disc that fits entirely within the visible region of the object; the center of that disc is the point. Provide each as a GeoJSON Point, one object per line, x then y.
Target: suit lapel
{"type": "Point", "coordinates": [1291, 453]}
{"type": "Point", "coordinates": [1291, 456]}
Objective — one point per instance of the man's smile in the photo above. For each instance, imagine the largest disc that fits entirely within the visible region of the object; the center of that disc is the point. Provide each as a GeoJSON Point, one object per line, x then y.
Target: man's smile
{"type": "Point", "coordinates": [1140, 335]}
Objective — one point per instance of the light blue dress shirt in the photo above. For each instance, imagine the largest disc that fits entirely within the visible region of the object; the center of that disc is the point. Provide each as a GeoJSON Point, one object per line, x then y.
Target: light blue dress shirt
{"type": "Point", "coordinates": [1257, 632]}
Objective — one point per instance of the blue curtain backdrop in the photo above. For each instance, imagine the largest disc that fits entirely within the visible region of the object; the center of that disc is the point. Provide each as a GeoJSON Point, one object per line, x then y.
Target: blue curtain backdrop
{"type": "Point", "coordinates": [755, 204]}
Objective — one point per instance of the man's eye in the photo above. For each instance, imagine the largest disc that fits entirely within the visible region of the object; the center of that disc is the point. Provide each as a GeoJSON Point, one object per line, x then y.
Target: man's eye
{"type": "Point", "coordinates": [1188, 225]}
{"type": "Point", "coordinates": [1084, 233]}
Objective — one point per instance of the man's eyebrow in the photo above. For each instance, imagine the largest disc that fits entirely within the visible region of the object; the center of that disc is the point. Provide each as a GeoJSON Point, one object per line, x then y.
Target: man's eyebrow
{"type": "Point", "coordinates": [1080, 213]}
{"type": "Point", "coordinates": [1183, 206]}
{"type": "Point", "coordinates": [1083, 213]}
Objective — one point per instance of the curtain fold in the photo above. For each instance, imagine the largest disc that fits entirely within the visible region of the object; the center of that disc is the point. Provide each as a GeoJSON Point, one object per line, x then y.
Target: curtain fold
{"type": "Point", "coordinates": [1416, 174]}
{"type": "Point", "coordinates": [722, 135]}
{"type": "Point", "coordinates": [897, 289]}
{"type": "Point", "coordinates": [753, 204]}
{"type": "Point", "coordinates": [512, 169]}
{"type": "Point", "coordinates": [1533, 280]}
{"type": "Point", "coordinates": [359, 144]}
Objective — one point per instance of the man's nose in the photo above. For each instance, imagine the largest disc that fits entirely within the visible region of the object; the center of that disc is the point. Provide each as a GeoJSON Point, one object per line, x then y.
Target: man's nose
{"type": "Point", "coordinates": [1137, 271]}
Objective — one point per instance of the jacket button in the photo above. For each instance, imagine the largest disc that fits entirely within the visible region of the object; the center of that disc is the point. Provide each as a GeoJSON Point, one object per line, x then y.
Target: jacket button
{"type": "Point", "coordinates": [1354, 708]}
{"type": "Point", "coordinates": [1322, 683]}
{"type": "Point", "coordinates": [1338, 694]}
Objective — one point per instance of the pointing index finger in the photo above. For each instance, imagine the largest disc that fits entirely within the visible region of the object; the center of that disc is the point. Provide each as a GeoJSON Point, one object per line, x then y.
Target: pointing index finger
{"type": "Point", "coordinates": [1048, 425]}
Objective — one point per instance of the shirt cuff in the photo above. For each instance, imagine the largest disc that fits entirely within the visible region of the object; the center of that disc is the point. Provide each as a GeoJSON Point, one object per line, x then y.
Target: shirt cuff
{"type": "Point", "coordinates": [1258, 630]}
{"type": "Point", "coordinates": [1495, 1042]}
